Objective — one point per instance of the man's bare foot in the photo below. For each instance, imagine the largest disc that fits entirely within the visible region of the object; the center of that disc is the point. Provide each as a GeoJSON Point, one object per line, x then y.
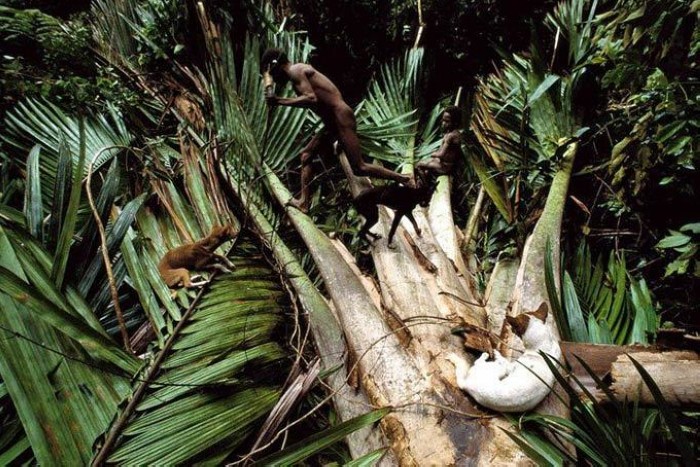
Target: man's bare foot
{"type": "Point", "coordinates": [296, 203]}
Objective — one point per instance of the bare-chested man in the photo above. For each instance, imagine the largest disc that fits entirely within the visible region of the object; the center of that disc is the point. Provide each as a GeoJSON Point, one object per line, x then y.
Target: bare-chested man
{"type": "Point", "coordinates": [444, 160]}
{"type": "Point", "coordinates": [316, 92]}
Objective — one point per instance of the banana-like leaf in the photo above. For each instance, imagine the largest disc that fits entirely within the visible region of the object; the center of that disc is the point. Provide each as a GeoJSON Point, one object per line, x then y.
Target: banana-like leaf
{"type": "Point", "coordinates": [70, 216]}
{"type": "Point", "coordinates": [33, 205]}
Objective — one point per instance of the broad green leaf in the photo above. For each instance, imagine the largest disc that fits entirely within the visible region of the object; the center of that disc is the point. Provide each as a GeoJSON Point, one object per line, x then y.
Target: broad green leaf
{"type": "Point", "coordinates": [673, 241]}
{"type": "Point", "coordinates": [70, 217]}
{"type": "Point", "coordinates": [574, 314]}
{"type": "Point", "coordinates": [694, 228]}
{"type": "Point", "coordinates": [33, 205]}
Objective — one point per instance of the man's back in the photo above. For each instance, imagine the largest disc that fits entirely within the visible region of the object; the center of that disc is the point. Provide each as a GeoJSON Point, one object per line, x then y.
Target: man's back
{"type": "Point", "coordinates": [328, 96]}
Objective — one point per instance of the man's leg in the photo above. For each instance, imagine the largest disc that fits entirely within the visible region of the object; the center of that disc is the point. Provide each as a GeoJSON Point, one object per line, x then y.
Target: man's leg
{"type": "Point", "coordinates": [307, 173]}
{"type": "Point", "coordinates": [427, 166]}
{"type": "Point", "coordinates": [351, 143]}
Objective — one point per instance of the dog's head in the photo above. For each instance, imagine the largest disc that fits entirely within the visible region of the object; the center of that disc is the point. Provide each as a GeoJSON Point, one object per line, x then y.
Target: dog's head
{"type": "Point", "coordinates": [523, 323]}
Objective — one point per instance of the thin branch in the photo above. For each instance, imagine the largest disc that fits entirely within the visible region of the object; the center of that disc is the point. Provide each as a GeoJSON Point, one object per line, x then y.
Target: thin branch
{"type": "Point", "coordinates": [105, 252]}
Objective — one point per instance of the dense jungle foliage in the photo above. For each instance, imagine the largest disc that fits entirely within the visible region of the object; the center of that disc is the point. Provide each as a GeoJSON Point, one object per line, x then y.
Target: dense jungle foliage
{"type": "Point", "coordinates": [635, 196]}
{"type": "Point", "coordinates": [101, 86]}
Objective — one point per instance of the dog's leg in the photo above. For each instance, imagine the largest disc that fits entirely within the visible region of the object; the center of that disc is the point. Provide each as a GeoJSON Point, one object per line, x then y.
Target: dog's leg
{"type": "Point", "coordinates": [397, 218]}
{"type": "Point", "coordinates": [219, 267]}
{"type": "Point", "coordinates": [371, 217]}
{"type": "Point", "coordinates": [176, 277]}
{"type": "Point", "coordinates": [409, 214]}
{"type": "Point", "coordinates": [225, 260]}
{"type": "Point", "coordinates": [199, 283]}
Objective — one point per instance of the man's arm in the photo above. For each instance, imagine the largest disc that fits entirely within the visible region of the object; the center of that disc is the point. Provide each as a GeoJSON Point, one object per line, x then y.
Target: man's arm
{"type": "Point", "coordinates": [302, 86]}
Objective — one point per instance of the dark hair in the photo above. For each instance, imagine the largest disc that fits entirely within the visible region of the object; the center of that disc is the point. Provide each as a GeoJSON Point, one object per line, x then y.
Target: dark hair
{"type": "Point", "coordinates": [272, 57]}
{"type": "Point", "coordinates": [455, 113]}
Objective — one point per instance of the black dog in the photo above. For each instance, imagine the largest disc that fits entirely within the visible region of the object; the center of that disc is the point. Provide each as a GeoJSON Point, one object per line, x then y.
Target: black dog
{"type": "Point", "coordinates": [401, 199]}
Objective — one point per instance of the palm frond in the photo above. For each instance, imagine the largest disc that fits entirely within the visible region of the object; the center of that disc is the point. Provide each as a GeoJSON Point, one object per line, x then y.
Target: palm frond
{"type": "Point", "coordinates": [219, 381]}
{"type": "Point", "coordinates": [387, 118]}
{"type": "Point", "coordinates": [305, 448]}
{"type": "Point", "coordinates": [40, 122]}
{"type": "Point", "coordinates": [77, 376]}
{"type": "Point", "coordinates": [14, 444]}
{"type": "Point", "coordinates": [599, 306]}
{"type": "Point", "coordinates": [33, 205]}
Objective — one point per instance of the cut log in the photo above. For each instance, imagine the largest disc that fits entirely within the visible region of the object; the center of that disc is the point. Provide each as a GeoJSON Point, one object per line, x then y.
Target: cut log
{"type": "Point", "coordinates": [675, 372]}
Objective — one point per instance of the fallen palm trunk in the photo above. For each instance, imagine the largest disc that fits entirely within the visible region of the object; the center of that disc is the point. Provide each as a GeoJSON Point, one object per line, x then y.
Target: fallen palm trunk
{"type": "Point", "coordinates": [424, 427]}
{"type": "Point", "coordinates": [426, 292]}
{"type": "Point", "coordinates": [530, 293]}
{"type": "Point", "coordinates": [676, 374]}
{"type": "Point", "coordinates": [326, 331]}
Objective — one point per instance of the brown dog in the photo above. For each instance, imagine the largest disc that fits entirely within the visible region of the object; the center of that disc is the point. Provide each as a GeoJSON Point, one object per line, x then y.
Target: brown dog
{"type": "Point", "coordinates": [402, 199]}
{"type": "Point", "coordinates": [175, 266]}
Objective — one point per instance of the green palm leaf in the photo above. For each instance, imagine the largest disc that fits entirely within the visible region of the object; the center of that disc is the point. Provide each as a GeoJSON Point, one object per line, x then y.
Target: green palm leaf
{"type": "Point", "coordinates": [75, 380]}
{"type": "Point", "coordinates": [41, 122]}
{"type": "Point", "coordinates": [218, 382]}
{"type": "Point", "coordinates": [387, 120]}
{"type": "Point", "coordinates": [305, 448]}
{"type": "Point", "coordinates": [33, 205]}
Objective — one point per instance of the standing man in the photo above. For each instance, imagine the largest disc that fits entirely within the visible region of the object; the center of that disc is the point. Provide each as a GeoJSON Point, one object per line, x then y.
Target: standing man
{"type": "Point", "coordinates": [316, 92]}
{"type": "Point", "coordinates": [443, 161]}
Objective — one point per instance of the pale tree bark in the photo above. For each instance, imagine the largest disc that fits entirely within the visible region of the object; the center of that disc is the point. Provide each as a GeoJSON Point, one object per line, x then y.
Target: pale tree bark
{"type": "Point", "coordinates": [348, 401]}
{"type": "Point", "coordinates": [675, 372]}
